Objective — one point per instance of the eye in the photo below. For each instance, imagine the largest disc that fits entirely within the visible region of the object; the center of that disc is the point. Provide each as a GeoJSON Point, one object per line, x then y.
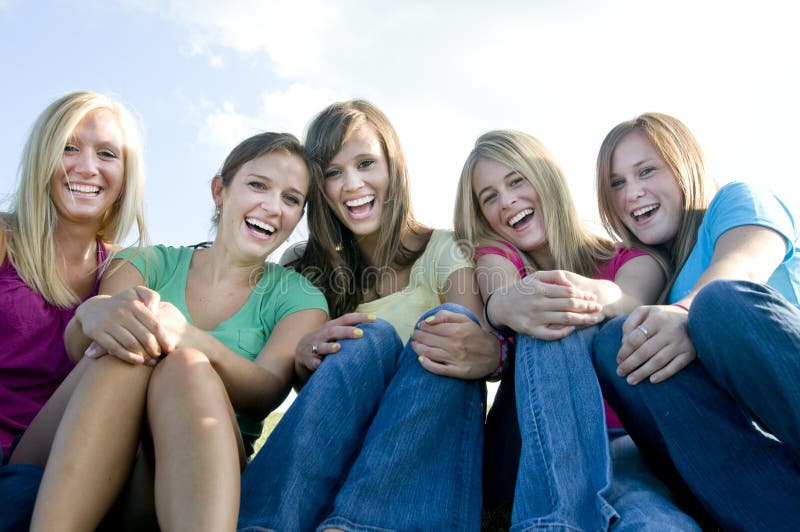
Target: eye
{"type": "Point", "coordinates": [291, 199]}
{"type": "Point", "coordinates": [488, 197]}
{"type": "Point", "coordinates": [332, 173]}
{"type": "Point", "coordinates": [515, 181]}
{"type": "Point", "coordinates": [257, 185]}
{"type": "Point", "coordinates": [366, 163]}
{"type": "Point", "coordinates": [647, 170]}
{"type": "Point", "coordinates": [71, 148]}
{"type": "Point", "coordinates": [617, 182]}
{"type": "Point", "coordinates": [107, 154]}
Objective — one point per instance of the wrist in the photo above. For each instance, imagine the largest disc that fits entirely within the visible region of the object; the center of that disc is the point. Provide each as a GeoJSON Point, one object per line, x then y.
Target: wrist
{"type": "Point", "coordinates": [679, 305]}
{"type": "Point", "coordinates": [496, 325]}
{"type": "Point", "coordinates": [506, 344]}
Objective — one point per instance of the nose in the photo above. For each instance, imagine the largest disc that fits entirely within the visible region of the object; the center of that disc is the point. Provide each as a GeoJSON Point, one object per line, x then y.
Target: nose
{"type": "Point", "coordinates": [635, 190]}
{"type": "Point", "coordinates": [507, 199]}
{"type": "Point", "coordinates": [270, 203]}
{"type": "Point", "coordinates": [86, 163]}
{"type": "Point", "coordinates": [352, 180]}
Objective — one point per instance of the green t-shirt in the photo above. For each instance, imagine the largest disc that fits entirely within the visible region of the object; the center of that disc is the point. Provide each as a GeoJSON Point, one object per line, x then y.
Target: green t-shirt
{"type": "Point", "coordinates": [278, 293]}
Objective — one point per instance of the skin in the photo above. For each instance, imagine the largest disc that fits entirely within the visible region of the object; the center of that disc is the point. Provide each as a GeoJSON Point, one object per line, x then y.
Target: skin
{"type": "Point", "coordinates": [447, 344]}
{"type": "Point", "coordinates": [190, 396]}
{"type": "Point", "coordinates": [746, 252]}
{"type": "Point", "coordinates": [549, 304]}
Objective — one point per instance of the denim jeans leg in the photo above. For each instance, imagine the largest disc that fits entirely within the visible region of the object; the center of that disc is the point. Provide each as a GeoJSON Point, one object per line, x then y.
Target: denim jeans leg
{"type": "Point", "coordinates": [747, 336]}
{"type": "Point", "coordinates": [291, 483]}
{"type": "Point", "coordinates": [419, 467]}
{"type": "Point", "coordinates": [19, 484]}
{"type": "Point", "coordinates": [643, 502]}
{"type": "Point", "coordinates": [690, 426]}
{"type": "Point", "coordinates": [564, 470]}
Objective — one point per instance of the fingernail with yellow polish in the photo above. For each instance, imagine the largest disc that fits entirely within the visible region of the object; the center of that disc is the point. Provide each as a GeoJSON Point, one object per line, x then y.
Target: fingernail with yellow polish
{"type": "Point", "coordinates": [429, 319]}
{"type": "Point", "coordinates": [335, 347]}
{"type": "Point", "coordinates": [372, 317]}
{"type": "Point", "coordinates": [358, 333]}
{"type": "Point", "coordinates": [420, 359]}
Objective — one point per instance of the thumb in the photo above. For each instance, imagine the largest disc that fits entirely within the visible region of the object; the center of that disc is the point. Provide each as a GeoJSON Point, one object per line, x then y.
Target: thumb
{"type": "Point", "coordinates": [150, 298]}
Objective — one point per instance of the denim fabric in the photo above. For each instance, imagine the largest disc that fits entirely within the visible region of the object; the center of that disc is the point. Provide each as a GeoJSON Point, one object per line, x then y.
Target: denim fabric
{"type": "Point", "coordinates": [696, 427]}
{"type": "Point", "coordinates": [564, 467]}
{"type": "Point", "coordinates": [372, 442]}
{"type": "Point", "coordinates": [19, 485]}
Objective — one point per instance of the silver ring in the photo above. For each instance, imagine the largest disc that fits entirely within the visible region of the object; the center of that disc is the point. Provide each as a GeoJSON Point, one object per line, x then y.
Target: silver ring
{"type": "Point", "coordinates": [645, 332]}
{"type": "Point", "coordinates": [314, 349]}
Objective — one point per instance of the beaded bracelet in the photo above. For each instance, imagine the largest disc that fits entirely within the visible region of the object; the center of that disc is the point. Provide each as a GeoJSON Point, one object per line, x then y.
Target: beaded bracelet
{"type": "Point", "coordinates": [505, 343]}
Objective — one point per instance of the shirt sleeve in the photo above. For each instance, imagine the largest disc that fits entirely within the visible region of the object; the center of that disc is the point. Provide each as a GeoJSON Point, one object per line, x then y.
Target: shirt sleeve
{"type": "Point", "coordinates": [508, 252]}
{"type": "Point", "coordinates": [448, 257]}
{"type": "Point", "coordinates": [151, 262]}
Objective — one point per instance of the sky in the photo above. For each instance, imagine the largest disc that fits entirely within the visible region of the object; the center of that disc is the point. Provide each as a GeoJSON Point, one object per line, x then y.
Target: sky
{"type": "Point", "coordinates": [203, 75]}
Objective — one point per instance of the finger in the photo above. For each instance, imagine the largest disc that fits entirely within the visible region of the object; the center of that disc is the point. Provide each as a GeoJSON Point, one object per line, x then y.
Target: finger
{"type": "Point", "coordinates": [636, 318]}
{"type": "Point", "coordinates": [445, 316]}
{"type": "Point", "coordinates": [673, 367]}
{"type": "Point", "coordinates": [654, 363]}
{"type": "Point", "coordinates": [326, 348]}
{"type": "Point", "coordinates": [108, 345]}
{"type": "Point", "coordinates": [150, 332]}
{"type": "Point", "coordinates": [553, 333]}
{"type": "Point", "coordinates": [552, 277]}
{"type": "Point", "coordinates": [638, 356]}
{"type": "Point", "coordinates": [439, 369]}
{"type": "Point", "coordinates": [149, 297]}
{"type": "Point", "coordinates": [352, 318]}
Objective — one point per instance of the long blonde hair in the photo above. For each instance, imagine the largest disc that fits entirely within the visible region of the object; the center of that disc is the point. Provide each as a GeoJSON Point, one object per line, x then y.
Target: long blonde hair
{"type": "Point", "coordinates": [30, 242]}
{"type": "Point", "coordinates": [681, 152]}
{"type": "Point", "coordinates": [572, 244]}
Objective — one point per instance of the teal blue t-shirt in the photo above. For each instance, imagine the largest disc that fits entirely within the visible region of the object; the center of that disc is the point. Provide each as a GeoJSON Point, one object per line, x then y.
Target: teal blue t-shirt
{"type": "Point", "coordinates": [737, 204]}
{"type": "Point", "coordinates": [278, 293]}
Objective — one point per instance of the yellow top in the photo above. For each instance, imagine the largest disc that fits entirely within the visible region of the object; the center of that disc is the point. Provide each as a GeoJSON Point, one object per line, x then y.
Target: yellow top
{"type": "Point", "coordinates": [426, 286]}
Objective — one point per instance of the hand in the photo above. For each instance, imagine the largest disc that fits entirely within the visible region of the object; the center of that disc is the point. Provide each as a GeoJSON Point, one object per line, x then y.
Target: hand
{"type": "Point", "coordinates": [451, 344]}
{"type": "Point", "coordinates": [175, 325]}
{"type": "Point", "coordinates": [124, 325]}
{"type": "Point", "coordinates": [321, 342]}
{"type": "Point", "coordinates": [655, 344]}
{"type": "Point", "coordinates": [544, 305]}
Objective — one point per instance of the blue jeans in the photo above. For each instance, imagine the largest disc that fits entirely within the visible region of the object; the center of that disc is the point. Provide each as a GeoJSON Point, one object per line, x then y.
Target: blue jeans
{"type": "Point", "coordinates": [565, 477]}
{"type": "Point", "coordinates": [696, 427]}
{"type": "Point", "coordinates": [19, 484]}
{"type": "Point", "coordinates": [372, 442]}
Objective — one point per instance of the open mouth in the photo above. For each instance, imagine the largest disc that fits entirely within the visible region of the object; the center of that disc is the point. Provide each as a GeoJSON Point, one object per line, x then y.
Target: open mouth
{"type": "Point", "coordinates": [644, 213]}
{"type": "Point", "coordinates": [520, 218]}
{"type": "Point", "coordinates": [89, 191]}
{"type": "Point", "coordinates": [360, 206]}
{"type": "Point", "coordinates": [260, 227]}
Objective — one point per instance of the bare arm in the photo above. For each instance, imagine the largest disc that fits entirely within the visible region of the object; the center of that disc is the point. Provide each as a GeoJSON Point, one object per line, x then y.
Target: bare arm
{"type": "Point", "coordinates": [748, 253]}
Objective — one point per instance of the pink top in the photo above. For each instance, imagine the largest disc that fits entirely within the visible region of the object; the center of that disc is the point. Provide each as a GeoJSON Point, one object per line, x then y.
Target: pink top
{"type": "Point", "coordinates": [606, 270]}
{"type": "Point", "coordinates": [33, 359]}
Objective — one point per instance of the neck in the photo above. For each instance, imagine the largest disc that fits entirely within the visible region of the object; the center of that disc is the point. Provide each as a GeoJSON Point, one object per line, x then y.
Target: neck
{"type": "Point", "coordinates": [543, 258]}
{"type": "Point", "coordinates": [220, 265]}
{"type": "Point", "coordinates": [76, 242]}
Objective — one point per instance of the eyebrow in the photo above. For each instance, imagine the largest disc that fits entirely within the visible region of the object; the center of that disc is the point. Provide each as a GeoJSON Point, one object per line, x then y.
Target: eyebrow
{"type": "Point", "coordinates": [267, 178]}
{"type": "Point", "coordinates": [484, 189]}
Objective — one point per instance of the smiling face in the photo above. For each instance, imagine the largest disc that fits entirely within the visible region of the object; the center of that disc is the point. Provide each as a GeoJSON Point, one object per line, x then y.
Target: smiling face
{"type": "Point", "coordinates": [357, 182]}
{"type": "Point", "coordinates": [262, 204]}
{"type": "Point", "coordinates": [644, 191]}
{"type": "Point", "coordinates": [93, 170]}
{"type": "Point", "coordinates": [510, 205]}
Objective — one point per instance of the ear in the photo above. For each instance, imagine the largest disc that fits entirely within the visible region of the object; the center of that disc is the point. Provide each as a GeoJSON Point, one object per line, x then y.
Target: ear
{"type": "Point", "coordinates": [216, 190]}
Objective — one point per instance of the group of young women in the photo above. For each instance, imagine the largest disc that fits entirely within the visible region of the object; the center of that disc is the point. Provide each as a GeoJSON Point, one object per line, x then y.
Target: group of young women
{"type": "Point", "coordinates": [135, 381]}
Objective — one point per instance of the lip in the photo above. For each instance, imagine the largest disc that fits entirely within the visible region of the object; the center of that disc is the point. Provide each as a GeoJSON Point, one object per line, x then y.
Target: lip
{"type": "Point", "coordinates": [249, 221]}
{"type": "Point", "coordinates": [365, 203]}
{"type": "Point", "coordinates": [525, 224]}
{"type": "Point", "coordinates": [641, 222]}
{"type": "Point", "coordinates": [83, 189]}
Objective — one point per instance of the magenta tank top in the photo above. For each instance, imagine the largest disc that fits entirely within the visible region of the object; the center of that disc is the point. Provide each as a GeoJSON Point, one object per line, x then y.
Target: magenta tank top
{"type": "Point", "coordinates": [33, 359]}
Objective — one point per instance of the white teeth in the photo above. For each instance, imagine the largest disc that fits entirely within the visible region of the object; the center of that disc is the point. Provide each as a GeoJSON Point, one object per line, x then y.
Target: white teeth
{"type": "Point", "coordinates": [644, 210]}
{"type": "Point", "coordinates": [263, 225]}
{"type": "Point", "coordinates": [519, 216]}
{"type": "Point", "coordinates": [83, 188]}
{"type": "Point", "coordinates": [360, 201]}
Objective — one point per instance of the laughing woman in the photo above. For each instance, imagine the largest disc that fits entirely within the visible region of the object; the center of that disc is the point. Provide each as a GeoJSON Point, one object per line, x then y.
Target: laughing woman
{"type": "Point", "coordinates": [691, 378]}
{"type": "Point", "coordinates": [214, 334]}
{"type": "Point", "coordinates": [382, 436]}
{"type": "Point", "coordinates": [80, 191]}
{"type": "Point", "coordinates": [551, 280]}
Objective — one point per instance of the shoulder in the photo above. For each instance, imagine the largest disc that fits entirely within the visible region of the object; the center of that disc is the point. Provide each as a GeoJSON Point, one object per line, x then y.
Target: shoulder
{"type": "Point", "coordinates": [739, 203]}
{"type": "Point", "coordinates": [280, 284]}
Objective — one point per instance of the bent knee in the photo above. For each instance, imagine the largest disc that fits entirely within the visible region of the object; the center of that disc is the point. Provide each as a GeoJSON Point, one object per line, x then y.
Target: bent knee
{"type": "Point", "coordinates": [450, 307]}
{"type": "Point", "coordinates": [606, 345]}
{"type": "Point", "coordinates": [183, 368]}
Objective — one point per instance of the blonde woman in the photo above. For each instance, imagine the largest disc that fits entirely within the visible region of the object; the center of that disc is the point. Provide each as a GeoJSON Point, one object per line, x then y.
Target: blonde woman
{"type": "Point", "coordinates": [80, 191]}
{"type": "Point", "coordinates": [691, 375]}
{"type": "Point", "coordinates": [546, 276]}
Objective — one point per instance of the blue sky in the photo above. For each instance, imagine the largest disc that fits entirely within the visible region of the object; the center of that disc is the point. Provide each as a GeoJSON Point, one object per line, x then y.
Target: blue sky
{"type": "Point", "coordinates": [203, 75]}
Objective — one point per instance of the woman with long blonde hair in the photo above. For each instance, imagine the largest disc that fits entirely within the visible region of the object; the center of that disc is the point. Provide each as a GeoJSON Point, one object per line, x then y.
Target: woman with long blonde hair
{"type": "Point", "coordinates": [546, 276]}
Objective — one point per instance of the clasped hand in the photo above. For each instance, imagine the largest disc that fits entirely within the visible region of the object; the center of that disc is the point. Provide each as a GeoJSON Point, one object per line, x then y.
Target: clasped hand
{"type": "Point", "coordinates": [655, 344]}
